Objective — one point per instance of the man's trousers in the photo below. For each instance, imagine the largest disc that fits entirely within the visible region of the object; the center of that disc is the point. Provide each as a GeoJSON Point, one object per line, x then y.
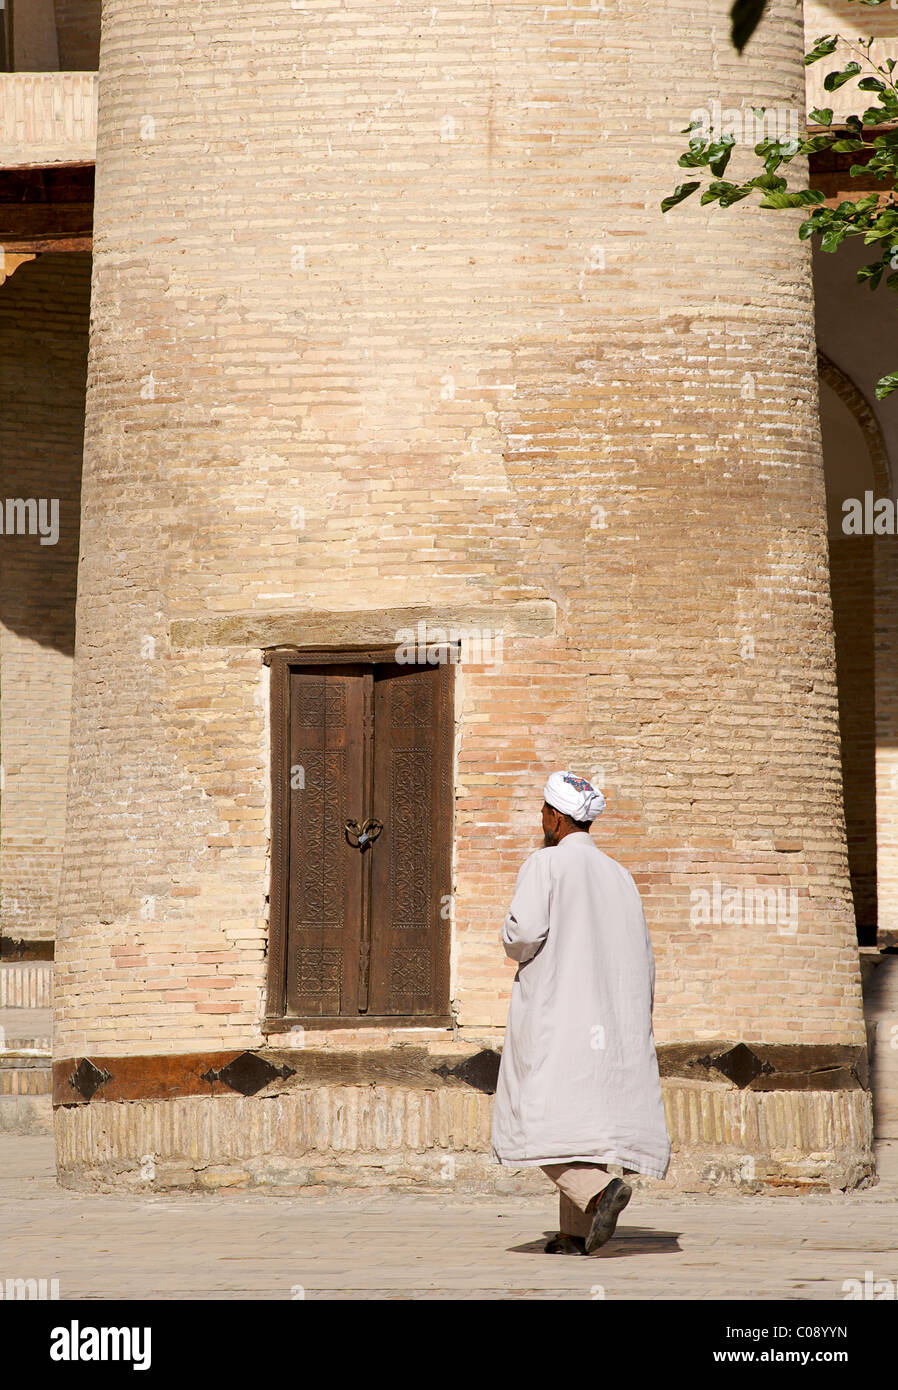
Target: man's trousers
{"type": "Point", "coordinates": [577, 1184]}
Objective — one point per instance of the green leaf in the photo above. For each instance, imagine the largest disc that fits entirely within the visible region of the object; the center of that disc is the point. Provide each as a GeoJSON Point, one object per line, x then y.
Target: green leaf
{"type": "Point", "coordinates": [886, 223]}
{"type": "Point", "coordinates": [800, 199]}
{"type": "Point", "coordinates": [727, 193]}
{"type": "Point", "coordinates": [885, 112]}
{"type": "Point", "coordinates": [811, 226]}
{"type": "Point", "coordinates": [681, 191]}
{"type": "Point", "coordinates": [842, 146]}
{"type": "Point", "coordinates": [776, 152]}
{"type": "Point", "coordinates": [871, 84]}
{"type": "Point", "coordinates": [718, 190]}
{"type": "Point", "coordinates": [886, 385]}
{"type": "Point", "coordinates": [719, 154]}
{"type": "Point", "coordinates": [745, 16]}
{"type": "Point", "coordinates": [822, 115]}
{"type": "Point", "coordinates": [815, 143]}
{"type": "Point", "coordinates": [871, 273]}
{"type": "Point", "coordinates": [822, 48]}
{"type": "Point", "coordinates": [771, 183]}
{"type": "Point", "coordinates": [832, 240]}
{"type": "Point", "coordinates": [834, 80]}
{"type": "Point", "coordinates": [693, 159]}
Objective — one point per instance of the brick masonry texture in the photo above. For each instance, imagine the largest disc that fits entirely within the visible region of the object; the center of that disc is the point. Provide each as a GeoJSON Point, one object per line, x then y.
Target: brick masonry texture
{"type": "Point", "coordinates": [47, 117]}
{"type": "Point", "coordinates": [26, 986]}
{"type": "Point", "coordinates": [385, 310]}
{"type": "Point", "coordinates": [819, 19]}
{"type": "Point", "coordinates": [390, 1137]}
{"type": "Point", "coordinates": [44, 310]}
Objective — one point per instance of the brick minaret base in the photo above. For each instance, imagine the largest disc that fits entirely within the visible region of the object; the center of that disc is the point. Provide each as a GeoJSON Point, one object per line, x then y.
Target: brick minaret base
{"type": "Point", "coordinates": [387, 325]}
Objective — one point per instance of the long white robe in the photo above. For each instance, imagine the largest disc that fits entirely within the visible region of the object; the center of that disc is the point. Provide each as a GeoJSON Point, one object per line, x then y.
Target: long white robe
{"type": "Point", "coordinates": [578, 1081]}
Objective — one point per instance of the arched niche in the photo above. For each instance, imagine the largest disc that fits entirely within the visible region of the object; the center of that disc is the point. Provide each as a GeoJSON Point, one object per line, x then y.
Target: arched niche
{"type": "Point", "coordinates": [855, 463]}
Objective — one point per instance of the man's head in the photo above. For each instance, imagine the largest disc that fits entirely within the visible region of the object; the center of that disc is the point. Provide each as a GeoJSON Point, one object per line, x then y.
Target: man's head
{"type": "Point", "coordinates": [556, 825]}
{"type": "Point", "coordinates": [571, 804]}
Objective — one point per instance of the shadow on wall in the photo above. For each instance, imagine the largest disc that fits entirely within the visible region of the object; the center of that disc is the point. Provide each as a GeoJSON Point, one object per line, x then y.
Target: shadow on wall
{"type": "Point", "coordinates": [856, 329]}
{"type": "Point", "coordinates": [44, 316]}
{"type": "Point", "coordinates": [854, 332]}
{"type": "Point", "coordinates": [849, 473]}
{"type": "Point", "coordinates": [50, 36]}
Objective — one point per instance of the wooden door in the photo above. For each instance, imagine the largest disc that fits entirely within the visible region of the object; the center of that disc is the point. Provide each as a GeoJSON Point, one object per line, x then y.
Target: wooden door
{"type": "Point", "coordinates": [411, 865]}
{"type": "Point", "coordinates": [329, 773]}
{"type": "Point", "coordinates": [360, 934]}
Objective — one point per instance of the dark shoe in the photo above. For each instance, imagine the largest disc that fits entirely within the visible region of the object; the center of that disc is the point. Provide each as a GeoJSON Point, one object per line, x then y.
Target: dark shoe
{"type": "Point", "coordinates": [566, 1245]}
{"type": "Point", "coordinates": [608, 1208]}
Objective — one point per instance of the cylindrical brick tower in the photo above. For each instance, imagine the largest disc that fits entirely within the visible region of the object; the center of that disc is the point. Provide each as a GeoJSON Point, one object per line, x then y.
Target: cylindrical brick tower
{"type": "Point", "coordinates": [388, 329]}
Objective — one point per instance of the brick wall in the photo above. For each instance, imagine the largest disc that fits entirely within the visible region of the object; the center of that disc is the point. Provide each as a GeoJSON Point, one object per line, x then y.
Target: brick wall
{"type": "Point", "coordinates": [820, 19]}
{"type": "Point", "coordinates": [43, 345]}
{"type": "Point", "coordinates": [401, 273]}
{"type": "Point", "coordinates": [47, 117]}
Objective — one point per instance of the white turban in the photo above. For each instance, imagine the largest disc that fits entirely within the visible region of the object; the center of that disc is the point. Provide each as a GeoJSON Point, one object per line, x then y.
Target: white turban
{"type": "Point", "coordinates": [574, 796]}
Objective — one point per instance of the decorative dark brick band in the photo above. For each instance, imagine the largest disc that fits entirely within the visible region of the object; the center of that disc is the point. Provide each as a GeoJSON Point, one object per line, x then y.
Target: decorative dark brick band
{"type": "Point", "coordinates": [754, 1067]}
{"type": "Point", "coordinates": [11, 950]}
{"type": "Point", "coordinates": [768, 1066]}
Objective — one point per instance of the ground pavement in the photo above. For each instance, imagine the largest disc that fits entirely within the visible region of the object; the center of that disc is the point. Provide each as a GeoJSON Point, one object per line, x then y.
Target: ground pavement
{"type": "Point", "coordinates": [413, 1246]}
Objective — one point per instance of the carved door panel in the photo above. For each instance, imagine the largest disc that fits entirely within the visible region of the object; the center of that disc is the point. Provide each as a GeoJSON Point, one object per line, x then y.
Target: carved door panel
{"type": "Point", "coordinates": [328, 777]}
{"type": "Point", "coordinates": [360, 933]}
{"type": "Point", "coordinates": [411, 860]}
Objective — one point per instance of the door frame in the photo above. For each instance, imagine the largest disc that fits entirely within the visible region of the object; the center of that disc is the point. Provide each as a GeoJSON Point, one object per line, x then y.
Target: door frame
{"type": "Point", "coordinates": [280, 660]}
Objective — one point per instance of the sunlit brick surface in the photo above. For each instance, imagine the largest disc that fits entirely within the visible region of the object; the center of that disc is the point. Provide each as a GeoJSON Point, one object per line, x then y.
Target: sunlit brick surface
{"type": "Point", "coordinates": [47, 118]}
{"type": "Point", "coordinates": [386, 312]}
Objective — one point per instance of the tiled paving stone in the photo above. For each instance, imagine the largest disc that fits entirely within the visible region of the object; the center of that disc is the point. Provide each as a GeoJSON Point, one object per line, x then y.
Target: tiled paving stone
{"type": "Point", "coordinates": [415, 1246]}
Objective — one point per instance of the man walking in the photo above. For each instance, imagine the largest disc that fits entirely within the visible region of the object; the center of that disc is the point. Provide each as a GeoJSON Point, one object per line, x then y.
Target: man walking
{"type": "Point", "coordinates": [578, 1084]}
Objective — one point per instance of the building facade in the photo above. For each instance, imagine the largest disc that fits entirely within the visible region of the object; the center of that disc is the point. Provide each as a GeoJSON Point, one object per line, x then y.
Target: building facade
{"type": "Point", "coordinates": [422, 456]}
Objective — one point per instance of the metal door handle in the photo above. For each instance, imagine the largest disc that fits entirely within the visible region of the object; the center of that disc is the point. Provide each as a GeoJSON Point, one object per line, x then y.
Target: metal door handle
{"type": "Point", "coordinates": [365, 835]}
